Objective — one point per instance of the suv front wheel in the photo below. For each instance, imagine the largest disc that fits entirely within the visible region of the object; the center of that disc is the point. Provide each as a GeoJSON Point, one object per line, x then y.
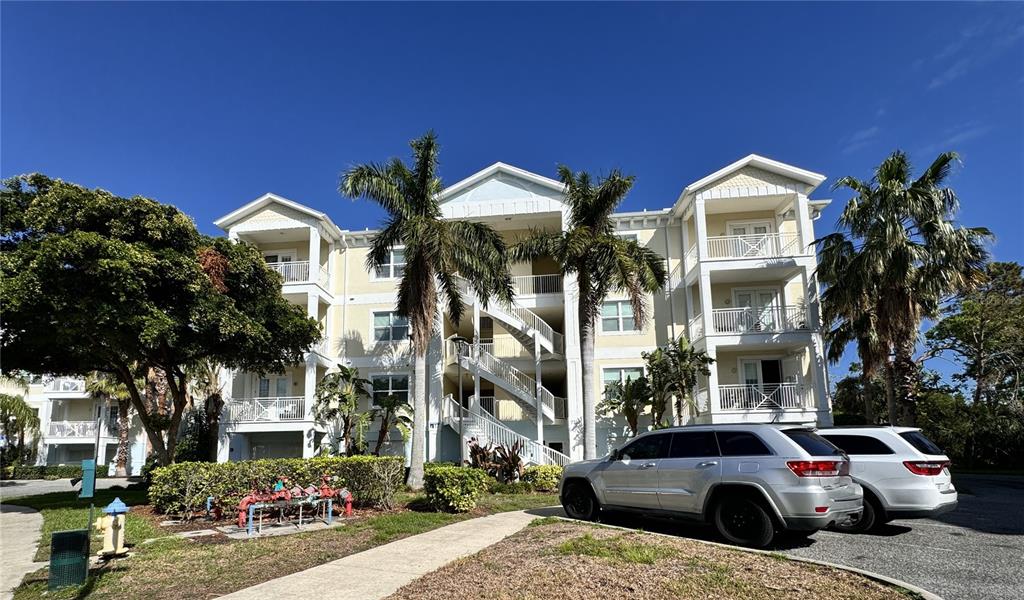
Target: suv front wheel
{"type": "Point", "coordinates": [745, 522]}
{"type": "Point", "coordinates": [579, 502]}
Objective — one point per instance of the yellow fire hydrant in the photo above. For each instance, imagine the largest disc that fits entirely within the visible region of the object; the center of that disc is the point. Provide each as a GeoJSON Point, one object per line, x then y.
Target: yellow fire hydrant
{"type": "Point", "coordinates": [112, 526]}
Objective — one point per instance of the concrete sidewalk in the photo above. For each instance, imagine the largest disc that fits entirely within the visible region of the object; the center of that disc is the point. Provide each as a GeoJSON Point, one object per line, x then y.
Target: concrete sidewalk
{"type": "Point", "coordinates": [19, 535]}
{"type": "Point", "coordinates": [379, 572]}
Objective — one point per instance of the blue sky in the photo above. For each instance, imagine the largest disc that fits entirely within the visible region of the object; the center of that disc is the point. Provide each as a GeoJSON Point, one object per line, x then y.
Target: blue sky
{"type": "Point", "coordinates": [207, 106]}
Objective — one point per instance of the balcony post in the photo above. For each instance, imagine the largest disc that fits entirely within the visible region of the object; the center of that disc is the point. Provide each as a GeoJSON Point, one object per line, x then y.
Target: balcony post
{"type": "Point", "coordinates": [714, 394]}
{"type": "Point", "coordinates": [309, 397]}
{"type": "Point", "coordinates": [702, 230]}
{"type": "Point", "coordinates": [474, 406]}
{"type": "Point", "coordinates": [314, 254]}
{"type": "Point", "coordinates": [804, 231]}
{"type": "Point", "coordinates": [685, 231]}
{"type": "Point", "coordinates": [707, 314]}
{"type": "Point", "coordinates": [537, 392]}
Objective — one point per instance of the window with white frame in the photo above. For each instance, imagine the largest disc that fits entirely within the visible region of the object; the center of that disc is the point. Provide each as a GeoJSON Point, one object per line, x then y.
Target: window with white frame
{"type": "Point", "coordinates": [617, 315]}
{"type": "Point", "coordinates": [388, 326]}
{"type": "Point", "coordinates": [632, 237]}
{"type": "Point", "coordinates": [389, 385]}
{"type": "Point", "coordinates": [395, 266]}
{"type": "Point", "coordinates": [620, 374]}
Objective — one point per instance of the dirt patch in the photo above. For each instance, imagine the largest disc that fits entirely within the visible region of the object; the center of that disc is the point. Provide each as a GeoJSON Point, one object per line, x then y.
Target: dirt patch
{"type": "Point", "coordinates": [558, 559]}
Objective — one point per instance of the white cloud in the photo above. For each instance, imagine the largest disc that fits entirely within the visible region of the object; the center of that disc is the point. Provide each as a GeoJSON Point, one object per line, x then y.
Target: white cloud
{"type": "Point", "coordinates": [954, 71]}
{"type": "Point", "coordinates": [860, 138]}
{"type": "Point", "coordinates": [955, 137]}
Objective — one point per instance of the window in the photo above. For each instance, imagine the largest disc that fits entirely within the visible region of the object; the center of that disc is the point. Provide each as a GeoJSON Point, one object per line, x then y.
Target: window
{"type": "Point", "coordinates": [628, 236]}
{"type": "Point", "coordinates": [279, 257]}
{"type": "Point", "coordinates": [814, 444]}
{"type": "Point", "coordinates": [855, 445]}
{"type": "Point", "coordinates": [395, 266]}
{"type": "Point", "coordinates": [268, 387]}
{"type": "Point", "coordinates": [620, 375]}
{"type": "Point", "coordinates": [693, 444]}
{"type": "Point", "coordinates": [390, 385]}
{"type": "Point", "coordinates": [920, 442]}
{"type": "Point", "coordinates": [649, 447]}
{"type": "Point", "coordinates": [389, 327]}
{"type": "Point", "coordinates": [617, 315]}
{"type": "Point", "coordinates": [741, 443]}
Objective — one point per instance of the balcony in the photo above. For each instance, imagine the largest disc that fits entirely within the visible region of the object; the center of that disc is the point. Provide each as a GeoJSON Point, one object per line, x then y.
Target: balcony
{"type": "Point", "coordinates": [779, 396]}
{"type": "Point", "coordinates": [72, 429]}
{"type": "Point", "coordinates": [509, 410]}
{"type": "Point", "coordinates": [531, 285]}
{"type": "Point", "coordinates": [767, 319]}
{"type": "Point", "coordinates": [297, 271]}
{"type": "Point", "coordinates": [266, 410]}
{"type": "Point", "coordinates": [65, 385]}
{"type": "Point", "coordinates": [753, 246]}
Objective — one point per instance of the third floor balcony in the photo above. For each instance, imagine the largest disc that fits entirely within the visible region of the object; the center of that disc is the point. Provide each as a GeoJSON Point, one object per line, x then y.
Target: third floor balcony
{"type": "Point", "coordinates": [299, 271]}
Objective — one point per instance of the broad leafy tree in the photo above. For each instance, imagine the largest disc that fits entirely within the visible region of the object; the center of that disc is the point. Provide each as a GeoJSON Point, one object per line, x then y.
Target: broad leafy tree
{"type": "Point", "coordinates": [127, 286]}
{"type": "Point", "coordinates": [601, 261]}
{"type": "Point", "coordinates": [437, 252]}
{"type": "Point", "coordinates": [896, 255]}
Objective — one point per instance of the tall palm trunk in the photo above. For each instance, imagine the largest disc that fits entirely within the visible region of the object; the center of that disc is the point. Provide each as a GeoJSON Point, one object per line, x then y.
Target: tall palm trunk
{"type": "Point", "coordinates": [906, 382]}
{"type": "Point", "coordinates": [869, 399]}
{"type": "Point", "coordinates": [589, 393]}
{"type": "Point", "coordinates": [123, 430]}
{"type": "Point", "coordinates": [213, 408]}
{"type": "Point", "coordinates": [419, 417]}
{"type": "Point", "coordinates": [890, 393]}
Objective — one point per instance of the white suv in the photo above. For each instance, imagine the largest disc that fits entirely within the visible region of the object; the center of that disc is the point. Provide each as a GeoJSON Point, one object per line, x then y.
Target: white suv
{"type": "Point", "coordinates": [751, 481]}
{"type": "Point", "coordinates": [904, 474]}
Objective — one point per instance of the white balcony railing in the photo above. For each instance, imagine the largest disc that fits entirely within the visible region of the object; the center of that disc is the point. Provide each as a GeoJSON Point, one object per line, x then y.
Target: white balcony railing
{"type": "Point", "coordinates": [72, 429]}
{"type": "Point", "coordinates": [297, 271]}
{"type": "Point", "coordinates": [65, 384]}
{"type": "Point", "coordinates": [763, 397]}
{"type": "Point", "coordinates": [529, 285]}
{"type": "Point", "coordinates": [754, 246]}
{"type": "Point", "coordinates": [505, 346]}
{"type": "Point", "coordinates": [697, 327]}
{"type": "Point", "coordinates": [767, 319]}
{"type": "Point", "coordinates": [258, 410]}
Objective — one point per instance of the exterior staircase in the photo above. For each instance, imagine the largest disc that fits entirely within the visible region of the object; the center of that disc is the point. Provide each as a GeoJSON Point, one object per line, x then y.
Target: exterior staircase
{"type": "Point", "coordinates": [522, 387]}
{"type": "Point", "coordinates": [477, 424]}
{"type": "Point", "coordinates": [522, 323]}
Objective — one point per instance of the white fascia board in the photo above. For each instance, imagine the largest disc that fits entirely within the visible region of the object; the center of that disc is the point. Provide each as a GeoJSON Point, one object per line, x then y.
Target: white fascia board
{"type": "Point", "coordinates": [500, 167]}
{"type": "Point", "coordinates": [269, 198]}
{"type": "Point", "coordinates": [809, 177]}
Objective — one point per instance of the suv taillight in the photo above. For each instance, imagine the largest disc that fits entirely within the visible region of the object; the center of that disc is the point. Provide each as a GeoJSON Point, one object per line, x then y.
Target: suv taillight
{"type": "Point", "coordinates": [926, 467]}
{"type": "Point", "coordinates": [817, 468]}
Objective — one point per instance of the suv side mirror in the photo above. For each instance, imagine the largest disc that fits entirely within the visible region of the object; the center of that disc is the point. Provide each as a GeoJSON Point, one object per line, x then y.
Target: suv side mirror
{"type": "Point", "coordinates": [615, 455]}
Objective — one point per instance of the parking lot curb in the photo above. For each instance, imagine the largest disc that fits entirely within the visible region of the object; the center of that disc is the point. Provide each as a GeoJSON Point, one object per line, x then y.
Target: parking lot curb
{"type": "Point", "coordinates": [925, 594]}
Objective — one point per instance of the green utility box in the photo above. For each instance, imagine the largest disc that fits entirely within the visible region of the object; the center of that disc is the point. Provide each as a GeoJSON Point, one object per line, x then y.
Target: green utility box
{"type": "Point", "coordinates": [69, 558]}
{"type": "Point", "coordinates": [88, 479]}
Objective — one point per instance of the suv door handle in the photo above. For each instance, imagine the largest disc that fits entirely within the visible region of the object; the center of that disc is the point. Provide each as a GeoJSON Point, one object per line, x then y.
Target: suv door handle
{"type": "Point", "coordinates": [648, 466]}
{"type": "Point", "coordinates": [707, 463]}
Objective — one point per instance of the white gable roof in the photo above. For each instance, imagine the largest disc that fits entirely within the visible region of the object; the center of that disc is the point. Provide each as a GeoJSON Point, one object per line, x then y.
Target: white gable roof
{"type": "Point", "coordinates": [810, 179]}
{"type": "Point", "coordinates": [501, 189]}
{"type": "Point", "coordinates": [495, 169]}
{"type": "Point", "coordinates": [267, 199]}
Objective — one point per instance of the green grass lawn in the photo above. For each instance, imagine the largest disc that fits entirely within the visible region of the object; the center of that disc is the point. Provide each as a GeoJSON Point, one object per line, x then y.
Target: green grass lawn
{"type": "Point", "coordinates": [178, 568]}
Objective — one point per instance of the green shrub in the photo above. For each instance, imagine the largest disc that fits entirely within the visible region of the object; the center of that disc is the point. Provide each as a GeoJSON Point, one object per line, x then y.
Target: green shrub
{"type": "Point", "coordinates": [518, 487]}
{"type": "Point", "coordinates": [454, 489]}
{"type": "Point", "coordinates": [182, 488]}
{"type": "Point", "coordinates": [543, 478]}
{"type": "Point", "coordinates": [50, 471]}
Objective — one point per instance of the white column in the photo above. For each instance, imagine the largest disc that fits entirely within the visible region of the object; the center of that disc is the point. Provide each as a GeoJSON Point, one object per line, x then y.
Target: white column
{"type": "Point", "coordinates": [702, 229]}
{"type": "Point", "coordinates": [714, 397]}
{"type": "Point", "coordinates": [474, 404]}
{"type": "Point", "coordinates": [435, 388]}
{"type": "Point", "coordinates": [310, 381]}
{"type": "Point", "coordinates": [232, 235]}
{"type": "Point", "coordinates": [804, 229]}
{"type": "Point", "coordinates": [314, 254]}
{"type": "Point", "coordinates": [540, 403]}
{"type": "Point", "coordinates": [573, 370]}
{"type": "Point", "coordinates": [705, 301]}
{"type": "Point", "coordinates": [686, 244]}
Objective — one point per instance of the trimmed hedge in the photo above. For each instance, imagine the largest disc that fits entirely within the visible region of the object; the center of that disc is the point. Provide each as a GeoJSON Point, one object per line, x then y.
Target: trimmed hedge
{"type": "Point", "coordinates": [182, 488]}
{"type": "Point", "coordinates": [454, 489]}
{"type": "Point", "coordinates": [49, 471]}
{"type": "Point", "coordinates": [543, 478]}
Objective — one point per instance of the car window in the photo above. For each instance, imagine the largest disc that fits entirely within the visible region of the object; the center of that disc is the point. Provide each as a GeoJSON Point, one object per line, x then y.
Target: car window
{"type": "Point", "coordinates": [859, 444]}
{"type": "Point", "coordinates": [814, 444]}
{"type": "Point", "coordinates": [919, 441]}
{"type": "Point", "coordinates": [693, 444]}
{"type": "Point", "coordinates": [741, 443]}
{"type": "Point", "coordinates": [647, 448]}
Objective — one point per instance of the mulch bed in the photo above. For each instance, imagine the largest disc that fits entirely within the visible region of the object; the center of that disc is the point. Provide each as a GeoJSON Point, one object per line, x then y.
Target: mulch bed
{"type": "Point", "coordinates": [558, 560]}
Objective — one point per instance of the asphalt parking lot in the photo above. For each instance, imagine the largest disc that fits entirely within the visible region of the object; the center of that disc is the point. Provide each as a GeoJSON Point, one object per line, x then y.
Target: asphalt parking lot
{"type": "Point", "coordinates": [973, 553]}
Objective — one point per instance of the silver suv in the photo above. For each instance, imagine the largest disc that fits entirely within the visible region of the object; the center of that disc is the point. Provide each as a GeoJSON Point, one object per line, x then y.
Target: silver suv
{"type": "Point", "coordinates": [751, 481]}
{"type": "Point", "coordinates": [904, 474]}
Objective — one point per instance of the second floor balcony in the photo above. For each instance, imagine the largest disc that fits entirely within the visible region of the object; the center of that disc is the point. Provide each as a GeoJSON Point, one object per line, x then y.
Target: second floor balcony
{"type": "Point", "coordinates": [529, 285]}
{"type": "Point", "coordinates": [71, 429]}
{"type": "Point", "coordinates": [266, 409]}
{"type": "Point", "coordinates": [763, 319]}
{"type": "Point", "coordinates": [298, 271]}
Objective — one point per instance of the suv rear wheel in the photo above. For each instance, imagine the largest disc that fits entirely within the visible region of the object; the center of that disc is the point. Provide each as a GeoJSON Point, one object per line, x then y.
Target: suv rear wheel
{"type": "Point", "coordinates": [871, 517]}
{"type": "Point", "coordinates": [579, 502]}
{"type": "Point", "coordinates": [745, 522]}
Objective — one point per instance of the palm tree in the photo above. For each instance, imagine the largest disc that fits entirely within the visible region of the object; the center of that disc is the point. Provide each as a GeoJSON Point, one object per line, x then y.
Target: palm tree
{"type": "Point", "coordinates": [659, 374]}
{"type": "Point", "coordinates": [896, 256]}
{"type": "Point", "coordinates": [16, 418]}
{"type": "Point", "coordinates": [338, 398]}
{"type": "Point", "coordinates": [109, 390]}
{"type": "Point", "coordinates": [629, 398]}
{"type": "Point", "coordinates": [601, 261]}
{"type": "Point", "coordinates": [686, 365]}
{"type": "Point", "coordinates": [436, 253]}
{"type": "Point", "coordinates": [394, 412]}
{"type": "Point", "coordinates": [205, 382]}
